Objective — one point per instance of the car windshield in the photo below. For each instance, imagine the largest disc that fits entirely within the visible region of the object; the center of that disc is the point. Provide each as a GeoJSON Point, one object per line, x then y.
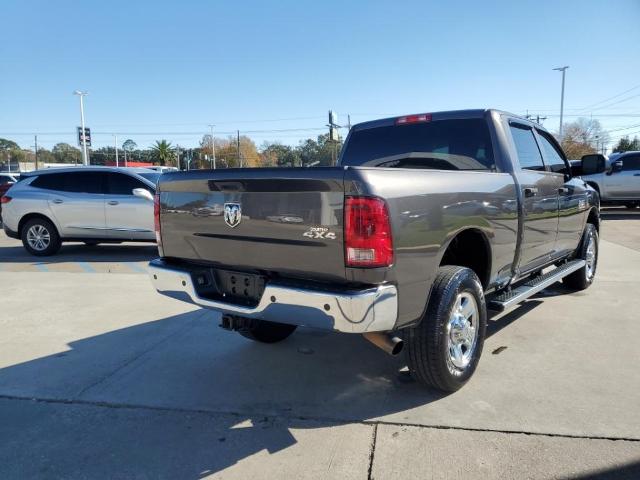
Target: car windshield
{"type": "Point", "coordinates": [151, 176]}
{"type": "Point", "coordinates": [443, 144]}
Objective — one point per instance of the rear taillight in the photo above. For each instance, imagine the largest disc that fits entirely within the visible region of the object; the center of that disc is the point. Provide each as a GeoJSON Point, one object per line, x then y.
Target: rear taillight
{"type": "Point", "coordinates": [5, 199]}
{"type": "Point", "coordinates": [367, 233]}
{"type": "Point", "coordinates": [156, 221]}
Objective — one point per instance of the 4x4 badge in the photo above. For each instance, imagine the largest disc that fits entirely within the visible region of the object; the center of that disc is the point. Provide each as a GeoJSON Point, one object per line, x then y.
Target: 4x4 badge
{"type": "Point", "coordinates": [232, 214]}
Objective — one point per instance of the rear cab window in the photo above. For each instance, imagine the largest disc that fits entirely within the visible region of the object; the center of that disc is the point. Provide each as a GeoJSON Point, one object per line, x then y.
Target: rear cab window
{"type": "Point", "coordinates": [456, 144]}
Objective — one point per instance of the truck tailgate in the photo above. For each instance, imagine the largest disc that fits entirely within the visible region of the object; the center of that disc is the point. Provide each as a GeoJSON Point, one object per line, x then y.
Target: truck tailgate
{"type": "Point", "coordinates": [282, 220]}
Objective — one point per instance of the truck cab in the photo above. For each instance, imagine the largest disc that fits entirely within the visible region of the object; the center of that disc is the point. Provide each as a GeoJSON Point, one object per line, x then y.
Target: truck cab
{"type": "Point", "coordinates": [616, 178]}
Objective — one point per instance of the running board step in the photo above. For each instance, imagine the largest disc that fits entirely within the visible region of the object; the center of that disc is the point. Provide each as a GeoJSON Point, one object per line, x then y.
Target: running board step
{"type": "Point", "coordinates": [505, 300]}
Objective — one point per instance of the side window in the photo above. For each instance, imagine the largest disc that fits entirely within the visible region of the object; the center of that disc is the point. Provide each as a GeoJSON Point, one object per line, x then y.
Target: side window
{"type": "Point", "coordinates": [83, 182]}
{"type": "Point", "coordinates": [123, 184]}
{"type": "Point", "coordinates": [4, 179]}
{"type": "Point", "coordinates": [552, 156]}
{"type": "Point", "coordinates": [77, 182]}
{"type": "Point", "coordinates": [528, 152]}
{"type": "Point", "coordinates": [52, 181]}
{"type": "Point", "coordinates": [630, 162]}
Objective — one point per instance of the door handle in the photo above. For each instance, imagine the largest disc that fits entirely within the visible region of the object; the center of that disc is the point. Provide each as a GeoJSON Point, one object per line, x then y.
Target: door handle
{"type": "Point", "coordinates": [636, 174]}
{"type": "Point", "coordinates": [563, 190]}
{"type": "Point", "coordinates": [530, 191]}
{"type": "Point", "coordinates": [57, 200]}
{"type": "Point", "coordinates": [113, 202]}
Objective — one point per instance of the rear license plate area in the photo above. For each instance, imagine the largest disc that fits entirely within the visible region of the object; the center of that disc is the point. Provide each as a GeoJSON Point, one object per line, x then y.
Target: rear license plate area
{"type": "Point", "coordinates": [237, 287]}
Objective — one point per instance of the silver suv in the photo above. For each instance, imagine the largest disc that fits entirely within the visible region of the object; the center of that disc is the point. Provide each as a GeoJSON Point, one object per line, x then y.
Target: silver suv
{"type": "Point", "coordinates": [88, 204]}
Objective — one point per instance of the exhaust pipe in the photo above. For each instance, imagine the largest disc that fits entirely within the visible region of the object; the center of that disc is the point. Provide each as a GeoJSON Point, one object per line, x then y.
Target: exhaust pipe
{"type": "Point", "coordinates": [391, 345]}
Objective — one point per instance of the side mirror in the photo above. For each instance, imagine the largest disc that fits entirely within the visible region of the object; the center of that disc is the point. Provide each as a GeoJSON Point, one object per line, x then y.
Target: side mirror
{"type": "Point", "coordinates": [617, 166]}
{"type": "Point", "coordinates": [142, 193]}
{"type": "Point", "coordinates": [592, 164]}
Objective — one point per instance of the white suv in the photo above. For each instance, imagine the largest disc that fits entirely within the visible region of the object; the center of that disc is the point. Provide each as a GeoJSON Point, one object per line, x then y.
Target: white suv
{"type": "Point", "coordinates": [88, 204]}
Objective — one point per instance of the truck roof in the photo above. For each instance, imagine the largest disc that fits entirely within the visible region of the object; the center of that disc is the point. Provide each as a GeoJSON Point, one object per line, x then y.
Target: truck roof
{"type": "Point", "coordinates": [442, 115]}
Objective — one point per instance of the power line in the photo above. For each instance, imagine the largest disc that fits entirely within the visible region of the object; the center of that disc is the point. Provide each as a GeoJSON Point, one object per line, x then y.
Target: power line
{"type": "Point", "coordinates": [610, 98]}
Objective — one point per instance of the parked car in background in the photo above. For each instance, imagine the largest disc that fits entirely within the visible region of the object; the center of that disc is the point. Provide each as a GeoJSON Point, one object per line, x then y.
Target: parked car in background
{"type": "Point", "coordinates": [162, 169]}
{"type": "Point", "coordinates": [88, 204]}
{"type": "Point", "coordinates": [6, 181]}
{"type": "Point", "coordinates": [616, 178]}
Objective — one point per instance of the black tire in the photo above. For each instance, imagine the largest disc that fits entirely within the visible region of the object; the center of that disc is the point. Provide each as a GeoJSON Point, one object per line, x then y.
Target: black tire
{"type": "Point", "coordinates": [266, 332]}
{"type": "Point", "coordinates": [47, 230]}
{"type": "Point", "coordinates": [583, 278]}
{"type": "Point", "coordinates": [428, 343]}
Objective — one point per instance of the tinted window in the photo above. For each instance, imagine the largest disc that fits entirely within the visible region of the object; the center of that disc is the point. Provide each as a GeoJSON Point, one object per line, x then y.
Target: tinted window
{"type": "Point", "coordinates": [78, 182]}
{"type": "Point", "coordinates": [630, 162]}
{"type": "Point", "coordinates": [152, 177]}
{"type": "Point", "coordinates": [527, 148]}
{"type": "Point", "coordinates": [123, 184]}
{"type": "Point", "coordinates": [4, 179]}
{"type": "Point", "coordinates": [441, 144]}
{"type": "Point", "coordinates": [552, 156]}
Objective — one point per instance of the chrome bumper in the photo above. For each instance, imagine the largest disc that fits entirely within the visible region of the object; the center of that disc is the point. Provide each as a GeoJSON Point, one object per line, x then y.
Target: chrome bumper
{"type": "Point", "coordinates": [370, 310]}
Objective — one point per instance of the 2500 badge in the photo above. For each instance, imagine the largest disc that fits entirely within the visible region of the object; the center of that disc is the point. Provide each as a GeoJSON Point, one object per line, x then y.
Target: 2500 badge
{"type": "Point", "coordinates": [319, 232]}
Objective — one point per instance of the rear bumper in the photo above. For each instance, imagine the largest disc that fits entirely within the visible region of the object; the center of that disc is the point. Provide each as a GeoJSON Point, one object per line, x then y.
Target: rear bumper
{"type": "Point", "coordinates": [356, 311]}
{"type": "Point", "coordinates": [10, 233]}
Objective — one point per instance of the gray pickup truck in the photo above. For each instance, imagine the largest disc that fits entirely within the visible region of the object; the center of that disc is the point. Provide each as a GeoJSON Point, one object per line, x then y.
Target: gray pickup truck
{"type": "Point", "coordinates": [616, 178]}
{"type": "Point", "coordinates": [427, 222]}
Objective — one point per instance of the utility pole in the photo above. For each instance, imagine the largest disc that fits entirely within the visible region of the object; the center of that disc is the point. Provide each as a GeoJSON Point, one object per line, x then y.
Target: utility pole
{"type": "Point", "coordinates": [115, 144]}
{"type": "Point", "coordinates": [36, 147]}
{"type": "Point", "coordinates": [564, 71]}
{"type": "Point", "coordinates": [239, 154]}
{"type": "Point", "coordinates": [213, 147]}
{"type": "Point", "coordinates": [348, 123]}
{"type": "Point", "coordinates": [85, 158]}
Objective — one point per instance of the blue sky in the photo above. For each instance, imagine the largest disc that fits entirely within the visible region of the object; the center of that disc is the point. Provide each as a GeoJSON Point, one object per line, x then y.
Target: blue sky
{"type": "Point", "coordinates": [158, 69]}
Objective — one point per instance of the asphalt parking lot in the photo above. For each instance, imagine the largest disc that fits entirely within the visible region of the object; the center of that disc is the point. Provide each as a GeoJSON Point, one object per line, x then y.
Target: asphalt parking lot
{"type": "Point", "coordinates": [100, 377]}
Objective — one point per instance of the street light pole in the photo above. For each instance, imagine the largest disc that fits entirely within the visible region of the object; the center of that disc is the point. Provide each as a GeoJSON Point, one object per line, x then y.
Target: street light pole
{"type": "Point", "coordinates": [213, 147]}
{"type": "Point", "coordinates": [564, 71]}
{"type": "Point", "coordinates": [85, 158]}
{"type": "Point", "coordinates": [115, 144]}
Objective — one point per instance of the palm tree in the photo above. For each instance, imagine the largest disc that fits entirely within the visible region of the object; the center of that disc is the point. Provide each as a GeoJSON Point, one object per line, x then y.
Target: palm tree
{"type": "Point", "coordinates": [162, 152]}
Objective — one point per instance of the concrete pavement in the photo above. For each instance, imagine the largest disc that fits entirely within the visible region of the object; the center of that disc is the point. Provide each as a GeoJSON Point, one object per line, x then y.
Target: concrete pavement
{"type": "Point", "coordinates": [101, 377]}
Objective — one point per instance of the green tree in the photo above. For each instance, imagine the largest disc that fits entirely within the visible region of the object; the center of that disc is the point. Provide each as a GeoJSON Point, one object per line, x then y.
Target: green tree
{"type": "Point", "coordinates": [65, 153]}
{"type": "Point", "coordinates": [626, 145]}
{"type": "Point", "coordinates": [162, 152]}
{"type": "Point", "coordinates": [320, 152]}
{"type": "Point", "coordinates": [278, 155]}
{"type": "Point", "coordinates": [8, 145]}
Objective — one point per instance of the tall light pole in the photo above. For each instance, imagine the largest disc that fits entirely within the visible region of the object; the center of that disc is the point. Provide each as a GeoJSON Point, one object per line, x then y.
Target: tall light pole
{"type": "Point", "coordinates": [213, 147]}
{"type": "Point", "coordinates": [563, 70]}
{"type": "Point", "coordinates": [115, 144]}
{"type": "Point", "coordinates": [85, 158]}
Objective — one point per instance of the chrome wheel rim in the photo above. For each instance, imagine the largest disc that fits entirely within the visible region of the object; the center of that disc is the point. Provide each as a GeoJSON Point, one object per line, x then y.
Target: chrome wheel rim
{"type": "Point", "coordinates": [38, 237]}
{"type": "Point", "coordinates": [462, 331]}
{"type": "Point", "coordinates": [590, 258]}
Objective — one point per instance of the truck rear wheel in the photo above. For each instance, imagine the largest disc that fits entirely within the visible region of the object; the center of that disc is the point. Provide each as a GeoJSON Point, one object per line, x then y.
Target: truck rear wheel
{"type": "Point", "coordinates": [587, 251]}
{"type": "Point", "coordinates": [445, 347]}
{"type": "Point", "coordinates": [266, 332]}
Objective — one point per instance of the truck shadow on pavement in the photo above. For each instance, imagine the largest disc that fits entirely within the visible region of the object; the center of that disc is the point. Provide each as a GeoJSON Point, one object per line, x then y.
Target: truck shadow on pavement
{"type": "Point", "coordinates": [181, 398]}
{"type": "Point", "coordinates": [78, 252]}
